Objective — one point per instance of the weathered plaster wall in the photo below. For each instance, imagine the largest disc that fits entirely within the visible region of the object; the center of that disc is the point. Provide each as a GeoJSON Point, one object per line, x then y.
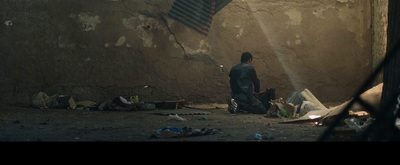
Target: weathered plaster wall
{"type": "Point", "coordinates": [95, 50]}
{"type": "Point", "coordinates": [379, 34]}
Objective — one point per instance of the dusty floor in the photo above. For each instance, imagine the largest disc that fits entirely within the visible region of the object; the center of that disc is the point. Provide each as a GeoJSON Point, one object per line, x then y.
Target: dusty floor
{"type": "Point", "coordinates": [31, 124]}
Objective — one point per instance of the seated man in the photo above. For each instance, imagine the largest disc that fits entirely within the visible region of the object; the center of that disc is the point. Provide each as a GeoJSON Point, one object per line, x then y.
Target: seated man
{"type": "Point", "coordinates": [242, 77]}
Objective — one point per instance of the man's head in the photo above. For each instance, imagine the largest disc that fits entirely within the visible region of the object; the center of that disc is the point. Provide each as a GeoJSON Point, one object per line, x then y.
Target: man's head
{"type": "Point", "coordinates": [246, 56]}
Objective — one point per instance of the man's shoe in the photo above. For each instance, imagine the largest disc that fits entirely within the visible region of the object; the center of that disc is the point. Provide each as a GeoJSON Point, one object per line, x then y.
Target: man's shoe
{"type": "Point", "coordinates": [232, 106]}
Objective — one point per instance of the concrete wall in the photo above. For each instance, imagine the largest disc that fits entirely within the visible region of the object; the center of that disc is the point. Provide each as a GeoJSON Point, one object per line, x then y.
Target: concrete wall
{"type": "Point", "coordinates": [379, 34]}
{"type": "Point", "coordinates": [99, 49]}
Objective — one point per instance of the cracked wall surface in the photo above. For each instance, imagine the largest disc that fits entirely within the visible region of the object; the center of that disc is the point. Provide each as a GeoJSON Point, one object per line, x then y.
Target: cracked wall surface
{"type": "Point", "coordinates": [96, 50]}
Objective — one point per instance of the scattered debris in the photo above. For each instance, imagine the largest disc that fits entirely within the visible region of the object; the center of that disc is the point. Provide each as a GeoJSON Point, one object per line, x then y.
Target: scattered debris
{"type": "Point", "coordinates": [103, 105]}
{"type": "Point", "coordinates": [171, 104]}
{"type": "Point", "coordinates": [281, 109]}
{"type": "Point", "coordinates": [202, 118]}
{"type": "Point", "coordinates": [147, 106]}
{"type": "Point", "coordinates": [353, 123]}
{"type": "Point", "coordinates": [257, 136]}
{"type": "Point", "coordinates": [260, 137]}
{"type": "Point", "coordinates": [176, 118]}
{"type": "Point", "coordinates": [8, 23]}
{"type": "Point", "coordinates": [133, 104]}
{"type": "Point", "coordinates": [356, 124]}
{"type": "Point", "coordinates": [270, 136]}
{"type": "Point", "coordinates": [119, 104]}
{"type": "Point", "coordinates": [43, 101]}
{"type": "Point", "coordinates": [180, 112]}
{"type": "Point", "coordinates": [86, 105]}
{"type": "Point", "coordinates": [169, 132]}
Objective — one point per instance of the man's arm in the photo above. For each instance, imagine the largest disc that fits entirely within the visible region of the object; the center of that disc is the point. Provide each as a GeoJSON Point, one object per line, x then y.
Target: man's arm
{"type": "Point", "coordinates": [255, 80]}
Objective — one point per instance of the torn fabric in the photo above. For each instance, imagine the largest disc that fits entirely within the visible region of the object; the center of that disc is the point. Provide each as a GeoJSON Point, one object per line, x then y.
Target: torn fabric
{"type": "Point", "coordinates": [196, 14]}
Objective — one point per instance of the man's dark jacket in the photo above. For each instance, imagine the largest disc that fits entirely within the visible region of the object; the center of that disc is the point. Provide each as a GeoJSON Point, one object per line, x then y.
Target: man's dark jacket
{"type": "Point", "coordinates": [241, 78]}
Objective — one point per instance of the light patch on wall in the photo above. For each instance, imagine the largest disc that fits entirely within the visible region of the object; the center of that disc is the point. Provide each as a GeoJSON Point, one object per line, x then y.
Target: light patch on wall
{"type": "Point", "coordinates": [240, 32]}
{"type": "Point", "coordinates": [349, 15]}
{"type": "Point", "coordinates": [144, 26]}
{"type": "Point", "coordinates": [223, 24]}
{"type": "Point", "coordinates": [204, 47]}
{"type": "Point", "coordinates": [319, 12]}
{"type": "Point", "coordinates": [294, 16]}
{"type": "Point", "coordinates": [289, 43]}
{"type": "Point", "coordinates": [147, 39]}
{"type": "Point", "coordinates": [345, 1]}
{"type": "Point", "coordinates": [88, 22]}
{"type": "Point", "coordinates": [298, 41]}
{"type": "Point", "coordinates": [120, 41]}
{"type": "Point", "coordinates": [201, 43]}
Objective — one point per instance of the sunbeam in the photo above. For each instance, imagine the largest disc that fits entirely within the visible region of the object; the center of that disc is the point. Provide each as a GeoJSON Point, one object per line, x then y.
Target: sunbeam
{"type": "Point", "coordinates": [271, 38]}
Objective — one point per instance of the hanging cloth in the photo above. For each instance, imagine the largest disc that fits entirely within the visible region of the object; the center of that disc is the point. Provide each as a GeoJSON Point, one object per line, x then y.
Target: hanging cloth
{"type": "Point", "coordinates": [196, 14]}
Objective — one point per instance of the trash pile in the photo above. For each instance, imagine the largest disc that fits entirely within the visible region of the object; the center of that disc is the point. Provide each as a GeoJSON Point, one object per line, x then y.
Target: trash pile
{"type": "Point", "coordinates": [304, 106]}
{"type": "Point", "coordinates": [43, 101]}
{"type": "Point", "coordinates": [296, 105]}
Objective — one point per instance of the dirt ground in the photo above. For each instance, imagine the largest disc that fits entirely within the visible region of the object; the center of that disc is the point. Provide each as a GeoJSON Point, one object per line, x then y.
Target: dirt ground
{"type": "Point", "coordinates": [33, 124]}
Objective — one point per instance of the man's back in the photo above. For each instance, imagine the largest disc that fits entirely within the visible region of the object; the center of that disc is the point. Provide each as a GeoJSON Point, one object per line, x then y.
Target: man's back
{"type": "Point", "coordinates": [242, 76]}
